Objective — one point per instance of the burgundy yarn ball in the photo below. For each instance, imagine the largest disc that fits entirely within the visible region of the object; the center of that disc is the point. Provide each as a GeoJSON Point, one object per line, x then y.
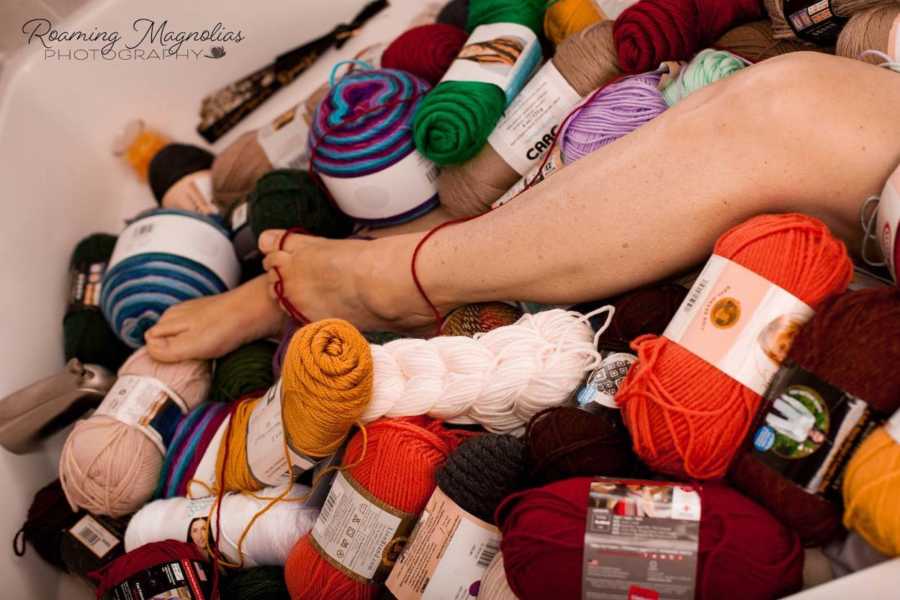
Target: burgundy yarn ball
{"type": "Point", "coordinates": [425, 51]}
{"type": "Point", "coordinates": [744, 553]}
{"type": "Point", "coordinates": [147, 556]}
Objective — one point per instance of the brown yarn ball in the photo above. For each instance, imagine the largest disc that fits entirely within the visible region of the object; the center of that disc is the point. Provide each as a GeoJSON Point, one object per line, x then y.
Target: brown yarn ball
{"type": "Point", "coordinates": [868, 30]}
{"type": "Point", "coordinates": [480, 317]}
{"type": "Point", "coordinates": [755, 42]}
{"type": "Point", "coordinates": [564, 441]}
{"type": "Point", "coordinates": [586, 60]}
{"type": "Point", "coordinates": [841, 8]}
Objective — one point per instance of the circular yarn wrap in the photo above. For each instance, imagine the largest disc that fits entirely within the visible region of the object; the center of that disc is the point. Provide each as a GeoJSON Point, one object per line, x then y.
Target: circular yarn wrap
{"type": "Point", "coordinates": [871, 485]}
{"type": "Point", "coordinates": [869, 29]}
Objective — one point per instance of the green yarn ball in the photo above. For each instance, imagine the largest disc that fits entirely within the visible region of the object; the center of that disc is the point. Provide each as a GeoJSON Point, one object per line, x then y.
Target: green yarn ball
{"type": "Point", "coordinates": [286, 198]}
{"type": "Point", "coordinates": [258, 583]}
{"type": "Point", "coordinates": [247, 369]}
{"type": "Point", "coordinates": [86, 334]}
{"type": "Point", "coordinates": [708, 67]}
{"type": "Point", "coordinates": [454, 121]}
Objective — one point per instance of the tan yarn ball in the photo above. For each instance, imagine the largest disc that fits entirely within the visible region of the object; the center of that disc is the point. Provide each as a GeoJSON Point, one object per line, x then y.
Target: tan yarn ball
{"type": "Point", "coordinates": [110, 468]}
{"type": "Point", "coordinates": [493, 583]}
{"type": "Point", "coordinates": [868, 30]}
{"type": "Point", "coordinates": [756, 42]}
{"type": "Point", "coordinates": [586, 60]}
{"type": "Point", "coordinates": [841, 8]}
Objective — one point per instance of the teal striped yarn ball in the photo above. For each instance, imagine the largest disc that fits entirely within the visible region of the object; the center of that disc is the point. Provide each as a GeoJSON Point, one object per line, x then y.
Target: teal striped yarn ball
{"type": "Point", "coordinates": [162, 258]}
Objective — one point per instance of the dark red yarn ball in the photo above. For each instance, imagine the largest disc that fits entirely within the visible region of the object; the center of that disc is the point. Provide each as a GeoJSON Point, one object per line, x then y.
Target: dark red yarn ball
{"type": "Point", "coordinates": [654, 31]}
{"type": "Point", "coordinates": [147, 556]}
{"type": "Point", "coordinates": [425, 51]}
{"type": "Point", "coordinates": [852, 343]}
{"type": "Point", "coordinates": [744, 553]}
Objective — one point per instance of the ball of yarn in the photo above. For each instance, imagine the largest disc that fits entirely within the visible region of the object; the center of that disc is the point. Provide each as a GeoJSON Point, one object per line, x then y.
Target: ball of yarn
{"type": "Point", "coordinates": [839, 8]}
{"type": "Point", "coordinates": [425, 51]}
{"type": "Point", "coordinates": [363, 126]}
{"type": "Point", "coordinates": [172, 163]}
{"type": "Point", "coordinates": [258, 583]}
{"type": "Point", "coordinates": [482, 472]}
{"type": "Point", "coordinates": [755, 42]}
{"type": "Point", "coordinates": [480, 317]}
{"type": "Point", "coordinates": [49, 516]}
{"type": "Point", "coordinates": [396, 467]}
{"type": "Point", "coordinates": [499, 379]}
{"type": "Point", "coordinates": [708, 67]}
{"type": "Point", "coordinates": [454, 121]}
{"type": "Point", "coordinates": [81, 560]}
{"type": "Point", "coordinates": [869, 29]}
{"type": "Point", "coordinates": [565, 18]}
{"type": "Point", "coordinates": [686, 417]}
{"type": "Point", "coordinates": [86, 334]}
{"type": "Point", "coordinates": [268, 535]}
{"type": "Point", "coordinates": [110, 468]}
{"type": "Point", "coordinates": [743, 553]}
{"type": "Point", "coordinates": [139, 288]}
{"type": "Point", "coordinates": [236, 170]}
{"type": "Point", "coordinates": [193, 436]}
{"type": "Point", "coordinates": [871, 487]}
{"type": "Point", "coordinates": [586, 61]}
{"type": "Point", "coordinates": [493, 582]}
{"type": "Point", "coordinates": [247, 369]}
{"type": "Point", "coordinates": [287, 198]}
{"type": "Point", "coordinates": [146, 557]}
{"type": "Point", "coordinates": [654, 31]}
{"type": "Point", "coordinates": [565, 442]}
{"type": "Point", "coordinates": [614, 111]}
{"type": "Point", "coordinates": [455, 12]}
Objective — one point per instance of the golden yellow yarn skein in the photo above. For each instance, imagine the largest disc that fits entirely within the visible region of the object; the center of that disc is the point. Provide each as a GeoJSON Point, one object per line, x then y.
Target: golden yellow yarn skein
{"type": "Point", "coordinates": [566, 17]}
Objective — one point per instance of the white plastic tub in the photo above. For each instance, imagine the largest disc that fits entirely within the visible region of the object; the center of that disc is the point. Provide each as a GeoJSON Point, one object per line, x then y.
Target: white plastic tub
{"type": "Point", "coordinates": [60, 182]}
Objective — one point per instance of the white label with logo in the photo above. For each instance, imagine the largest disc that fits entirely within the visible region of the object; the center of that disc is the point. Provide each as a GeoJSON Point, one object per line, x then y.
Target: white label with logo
{"type": "Point", "coordinates": [892, 426]}
{"type": "Point", "coordinates": [285, 141]}
{"type": "Point", "coordinates": [183, 236]}
{"type": "Point", "coordinates": [402, 187]}
{"type": "Point", "coordinates": [94, 536]}
{"type": "Point", "coordinates": [145, 403]}
{"type": "Point", "coordinates": [530, 124]}
{"type": "Point", "coordinates": [547, 166]}
{"type": "Point", "coordinates": [504, 54]}
{"type": "Point", "coordinates": [739, 322]}
{"type": "Point", "coordinates": [888, 221]}
{"type": "Point", "coordinates": [611, 9]}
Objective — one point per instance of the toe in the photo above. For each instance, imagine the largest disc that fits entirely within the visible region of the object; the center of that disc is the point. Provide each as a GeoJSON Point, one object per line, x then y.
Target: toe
{"type": "Point", "coordinates": [270, 239]}
{"type": "Point", "coordinates": [278, 259]}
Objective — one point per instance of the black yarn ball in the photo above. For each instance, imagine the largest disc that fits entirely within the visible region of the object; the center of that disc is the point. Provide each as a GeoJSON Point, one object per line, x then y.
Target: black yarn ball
{"type": "Point", "coordinates": [455, 12]}
{"type": "Point", "coordinates": [174, 162]}
{"type": "Point", "coordinates": [258, 583]}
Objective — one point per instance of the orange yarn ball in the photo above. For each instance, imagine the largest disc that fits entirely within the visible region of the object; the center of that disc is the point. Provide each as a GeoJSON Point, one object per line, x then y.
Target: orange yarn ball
{"type": "Point", "coordinates": [686, 417]}
{"type": "Point", "coordinates": [397, 466]}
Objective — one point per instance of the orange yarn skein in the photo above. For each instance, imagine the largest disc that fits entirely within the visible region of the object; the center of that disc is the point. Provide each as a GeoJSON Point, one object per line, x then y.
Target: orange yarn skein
{"type": "Point", "coordinates": [686, 417]}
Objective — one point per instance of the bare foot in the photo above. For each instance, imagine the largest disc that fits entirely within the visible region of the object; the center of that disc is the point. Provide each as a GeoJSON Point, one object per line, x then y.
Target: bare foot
{"type": "Point", "coordinates": [213, 326]}
{"type": "Point", "coordinates": [365, 282]}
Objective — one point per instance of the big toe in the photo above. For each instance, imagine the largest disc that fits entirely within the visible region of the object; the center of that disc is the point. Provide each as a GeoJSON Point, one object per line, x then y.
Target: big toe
{"type": "Point", "coordinates": [270, 240]}
{"type": "Point", "coordinates": [173, 348]}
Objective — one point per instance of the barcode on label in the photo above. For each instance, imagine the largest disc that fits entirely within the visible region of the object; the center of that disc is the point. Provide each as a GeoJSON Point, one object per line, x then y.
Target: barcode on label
{"type": "Point", "coordinates": [94, 536]}
{"type": "Point", "coordinates": [488, 553]}
{"type": "Point", "coordinates": [325, 513]}
{"type": "Point", "coordinates": [89, 536]}
{"type": "Point", "coordinates": [696, 291]}
{"type": "Point", "coordinates": [143, 230]}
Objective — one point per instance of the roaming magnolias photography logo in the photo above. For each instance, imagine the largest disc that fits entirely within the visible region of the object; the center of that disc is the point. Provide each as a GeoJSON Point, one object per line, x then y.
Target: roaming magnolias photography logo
{"type": "Point", "coordinates": [148, 40]}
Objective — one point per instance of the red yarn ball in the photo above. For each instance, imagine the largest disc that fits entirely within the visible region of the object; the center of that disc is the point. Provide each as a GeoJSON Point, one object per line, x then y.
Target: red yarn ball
{"type": "Point", "coordinates": [654, 31]}
{"type": "Point", "coordinates": [744, 553]}
{"type": "Point", "coordinates": [425, 51]}
{"type": "Point", "coordinates": [147, 556]}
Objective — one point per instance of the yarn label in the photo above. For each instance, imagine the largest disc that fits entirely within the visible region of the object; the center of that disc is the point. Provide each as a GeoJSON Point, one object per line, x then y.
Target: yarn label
{"type": "Point", "coordinates": [147, 404]}
{"type": "Point", "coordinates": [530, 124]}
{"type": "Point", "coordinates": [813, 20]}
{"type": "Point", "coordinates": [892, 426]}
{"type": "Point", "coordinates": [182, 579]}
{"type": "Point", "coordinates": [187, 237]}
{"type": "Point", "coordinates": [447, 554]}
{"type": "Point", "coordinates": [888, 222]}
{"type": "Point", "coordinates": [739, 322]}
{"type": "Point", "coordinates": [267, 446]}
{"type": "Point", "coordinates": [503, 54]}
{"type": "Point", "coordinates": [285, 140]}
{"type": "Point", "coordinates": [87, 283]}
{"type": "Point", "coordinates": [94, 536]}
{"type": "Point", "coordinates": [550, 163]}
{"type": "Point", "coordinates": [807, 430]}
{"type": "Point", "coordinates": [357, 533]}
{"type": "Point", "coordinates": [402, 189]}
{"type": "Point", "coordinates": [640, 540]}
{"type": "Point", "coordinates": [611, 9]}
{"type": "Point", "coordinates": [601, 386]}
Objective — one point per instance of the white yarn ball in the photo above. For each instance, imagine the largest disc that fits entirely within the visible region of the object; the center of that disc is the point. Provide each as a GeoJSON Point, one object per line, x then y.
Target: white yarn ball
{"type": "Point", "coordinates": [268, 542]}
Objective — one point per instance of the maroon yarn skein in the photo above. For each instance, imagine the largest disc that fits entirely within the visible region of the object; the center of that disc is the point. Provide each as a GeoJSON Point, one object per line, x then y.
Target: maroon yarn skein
{"type": "Point", "coordinates": [425, 51]}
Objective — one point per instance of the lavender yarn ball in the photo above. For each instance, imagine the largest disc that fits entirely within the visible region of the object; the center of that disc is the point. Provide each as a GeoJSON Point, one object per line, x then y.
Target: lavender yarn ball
{"type": "Point", "coordinates": [610, 113]}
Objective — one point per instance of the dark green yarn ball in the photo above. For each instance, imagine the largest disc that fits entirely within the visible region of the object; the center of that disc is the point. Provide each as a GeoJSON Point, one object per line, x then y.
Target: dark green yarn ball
{"type": "Point", "coordinates": [247, 369]}
{"type": "Point", "coordinates": [287, 198]}
{"type": "Point", "coordinates": [86, 334]}
{"type": "Point", "coordinates": [529, 13]}
{"type": "Point", "coordinates": [258, 583]}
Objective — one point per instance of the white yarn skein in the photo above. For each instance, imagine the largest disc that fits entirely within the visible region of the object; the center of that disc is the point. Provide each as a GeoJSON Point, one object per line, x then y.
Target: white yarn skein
{"type": "Point", "coordinates": [500, 378]}
{"type": "Point", "coordinates": [268, 542]}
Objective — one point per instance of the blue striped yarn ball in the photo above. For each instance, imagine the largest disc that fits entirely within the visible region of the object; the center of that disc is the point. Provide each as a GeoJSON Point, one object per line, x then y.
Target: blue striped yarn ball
{"type": "Point", "coordinates": [138, 289]}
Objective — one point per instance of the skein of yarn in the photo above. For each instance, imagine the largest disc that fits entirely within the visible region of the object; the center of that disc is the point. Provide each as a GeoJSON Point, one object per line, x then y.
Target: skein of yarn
{"type": "Point", "coordinates": [708, 67]}
{"type": "Point", "coordinates": [455, 12]}
{"type": "Point", "coordinates": [581, 64]}
{"type": "Point", "coordinates": [743, 553]}
{"type": "Point", "coordinates": [258, 583]}
{"type": "Point", "coordinates": [242, 371]}
{"type": "Point", "coordinates": [249, 536]}
{"type": "Point", "coordinates": [388, 470]}
{"type": "Point", "coordinates": [612, 112]}
{"type": "Point", "coordinates": [810, 22]}
{"type": "Point", "coordinates": [480, 317]}
{"type": "Point", "coordinates": [493, 583]}
{"type": "Point", "coordinates": [654, 31]}
{"type": "Point", "coordinates": [163, 257]}
{"type": "Point", "coordinates": [86, 334]}
{"type": "Point", "coordinates": [168, 567]}
{"type": "Point", "coordinates": [869, 29]}
{"type": "Point", "coordinates": [426, 51]}
{"type": "Point", "coordinates": [179, 178]}
{"type": "Point", "coordinates": [688, 418]}
{"type": "Point", "coordinates": [454, 121]}
{"type": "Point", "coordinates": [565, 18]}
{"type": "Point", "coordinates": [499, 379]}
{"type": "Point", "coordinates": [361, 145]}
{"type": "Point", "coordinates": [111, 461]}
{"type": "Point", "coordinates": [755, 42]}
{"type": "Point", "coordinates": [49, 516]}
